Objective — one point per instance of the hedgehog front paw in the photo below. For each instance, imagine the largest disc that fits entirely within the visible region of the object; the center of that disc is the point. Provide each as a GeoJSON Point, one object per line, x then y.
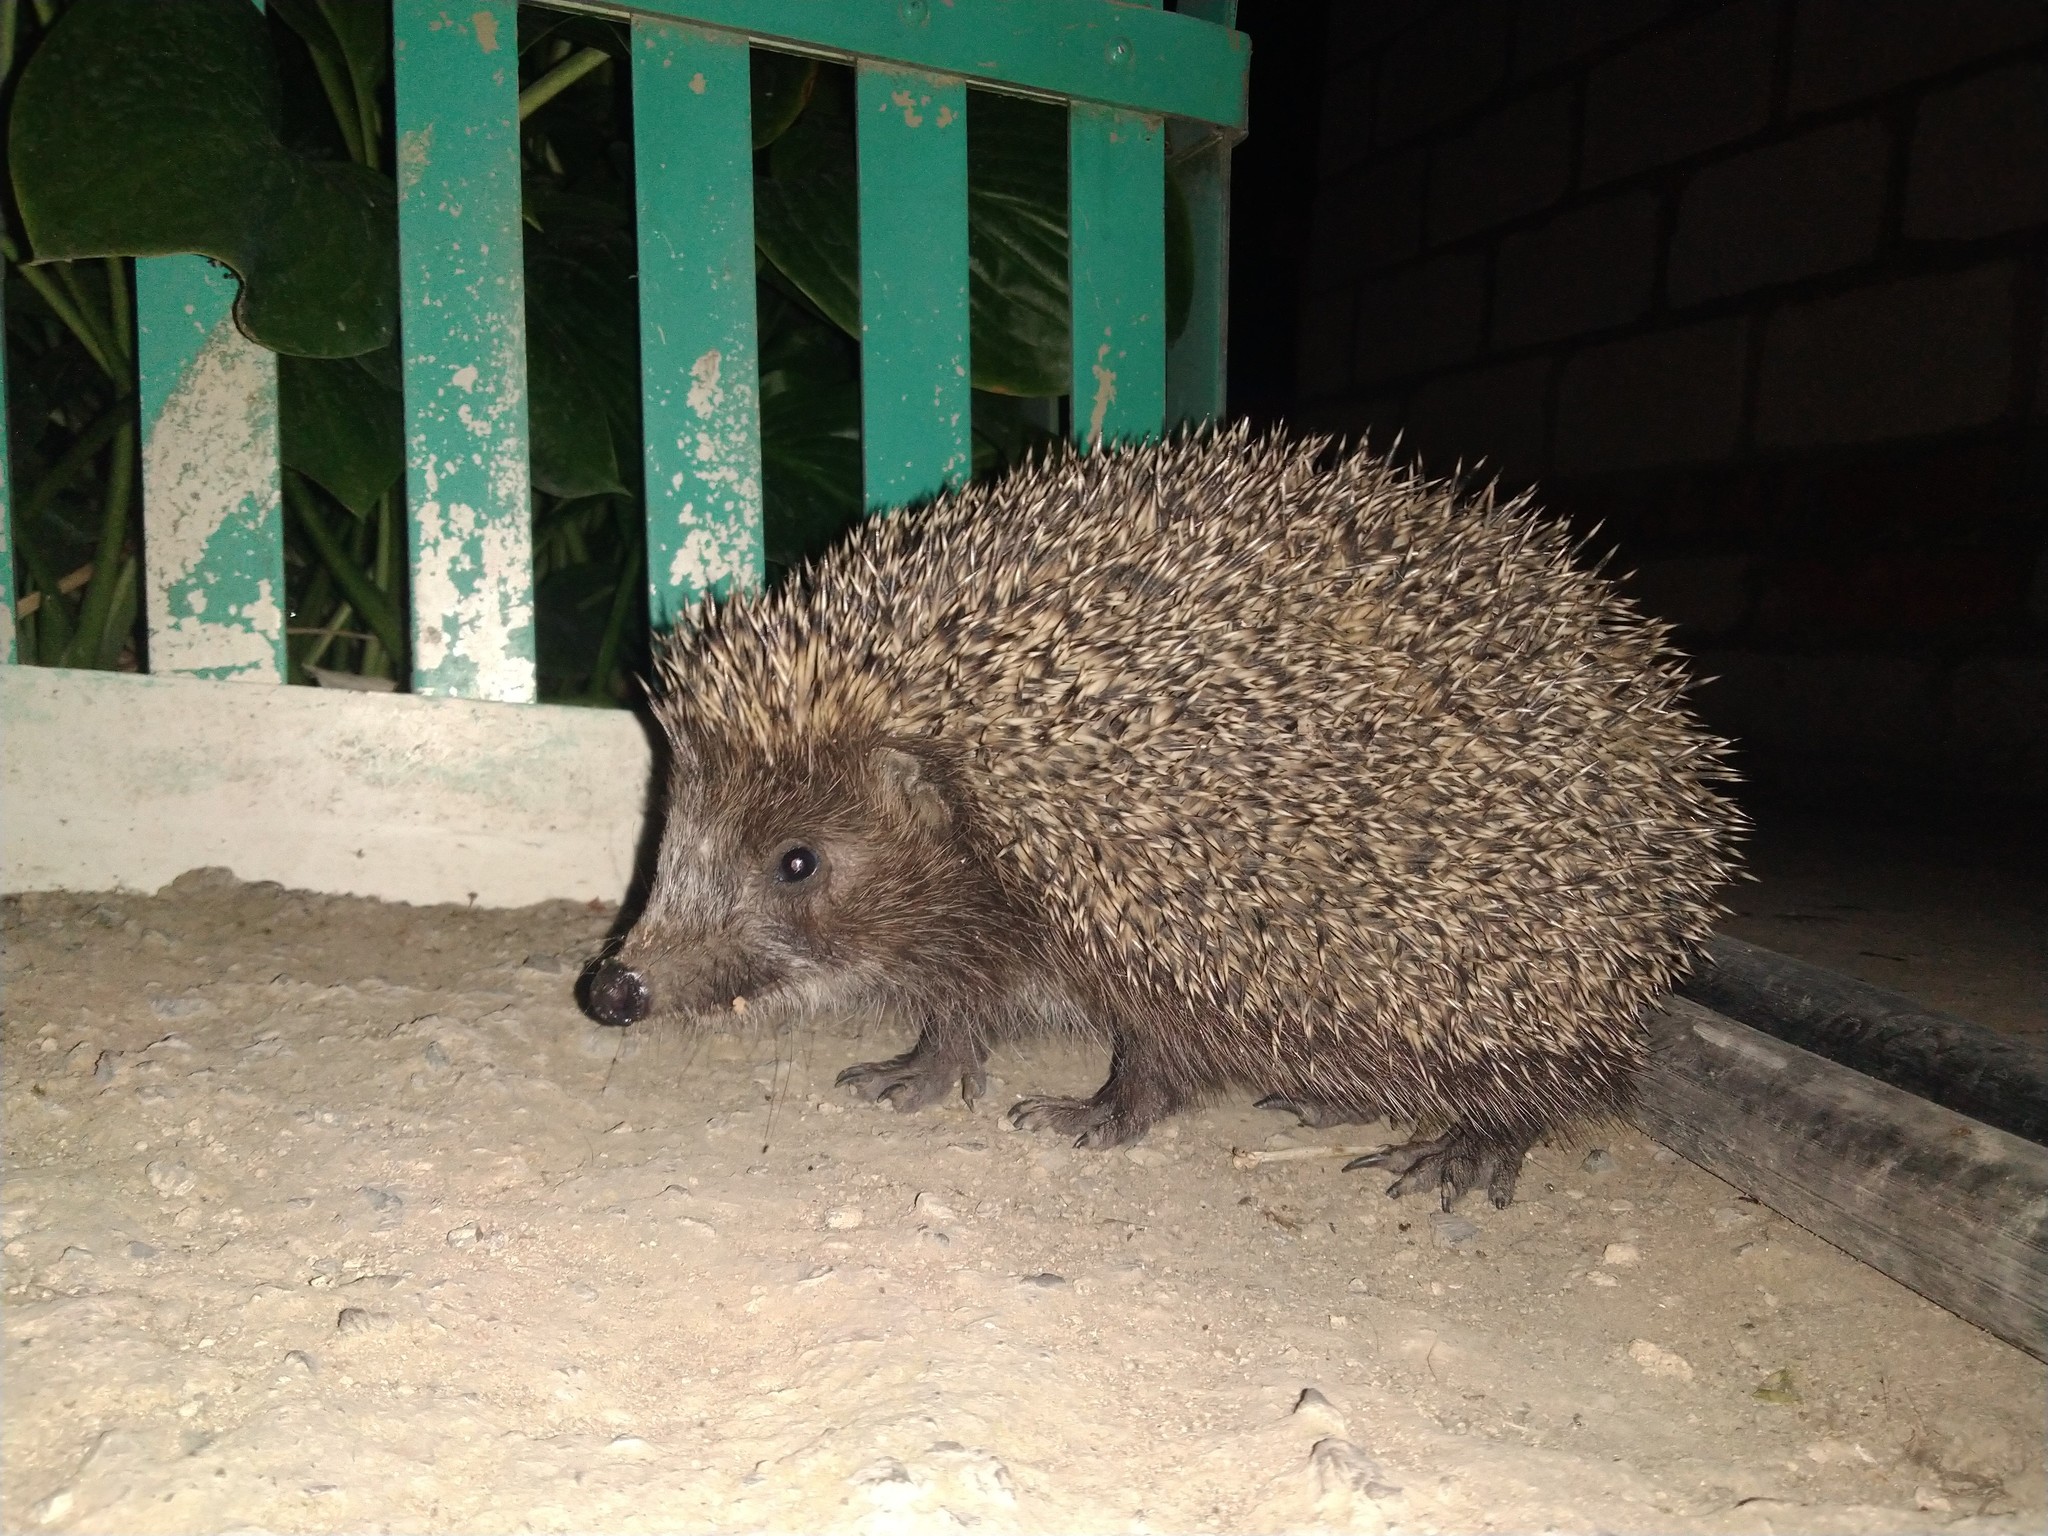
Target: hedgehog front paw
{"type": "Point", "coordinates": [1459, 1160]}
{"type": "Point", "coordinates": [915, 1080]}
{"type": "Point", "coordinates": [1091, 1122]}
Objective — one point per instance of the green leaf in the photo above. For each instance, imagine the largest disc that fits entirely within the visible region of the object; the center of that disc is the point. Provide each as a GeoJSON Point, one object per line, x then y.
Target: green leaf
{"type": "Point", "coordinates": [341, 427]}
{"type": "Point", "coordinates": [781, 88]}
{"type": "Point", "coordinates": [1009, 429]}
{"type": "Point", "coordinates": [806, 214]}
{"type": "Point", "coordinates": [358, 585]}
{"type": "Point", "coordinates": [146, 129]}
{"type": "Point", "coordinates": [582, 348]}
{"type": "Point", "coordinates": [809, 229]}
{"type": "Point", "coordinates": [363, 28]}
{"type": "Point", "coordinates": [810, 465]}
{"type": "Point", "coordinates": [350, 41]}
{"type": "Point", "coordinates": [1018, 330]}
{"type": "Point", "coordinates": [1180, 257]}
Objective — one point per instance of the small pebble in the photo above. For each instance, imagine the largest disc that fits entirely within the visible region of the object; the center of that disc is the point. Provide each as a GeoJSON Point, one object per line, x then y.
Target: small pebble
{"type": "Point", "coordinates": [1045, 1280]}
{"type": "Point", "coordinates": [464, 1236]}
{"type": "Point", "coordinates": [1450, 1229]}
{"type": "Point", "coordinates": [140, 1251]}
{"type": "Point", "coordinates": [352, 1320]}
{"type": "Point", "coordinates": [925, 1205]}
{"type": "Point", "coordinates": [1146, 1157]}
{"type": "Point", "coordinates": [299, 1360]}
{"type": "Point", "coordinates": [435, 1056]}
{"type": "Point", "coordinates": [845, 1218]}
{"type": "Point", "coordinates": [49, 1511]}
{"type": "Point", "coordinates": [583, 1290]}
{"type": "Point", "coordinates": [380, 1199]}
{"type": "Point", "coordinates": [1621, 1254]}
{"type": "Point", "coordinates": [1656, 1360]}
{"type": "Point", "coordinates": [1598, 1161]}
{"type": "Point", "coordinates": [169, 1179]}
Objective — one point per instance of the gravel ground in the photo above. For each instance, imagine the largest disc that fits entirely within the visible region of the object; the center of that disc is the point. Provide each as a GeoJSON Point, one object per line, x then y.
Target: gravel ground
{"type": "Point", "coordinates": [324, 1214]}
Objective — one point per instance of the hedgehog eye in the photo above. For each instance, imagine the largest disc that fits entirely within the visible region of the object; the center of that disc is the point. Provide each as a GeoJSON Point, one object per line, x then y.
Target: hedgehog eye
{"type": "Point", "coordinates": [795, 865]}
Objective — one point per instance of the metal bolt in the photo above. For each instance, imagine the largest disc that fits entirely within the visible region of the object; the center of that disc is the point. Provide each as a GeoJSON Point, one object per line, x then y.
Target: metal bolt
{"type": "Point", "coordinates": [913, 11]}
{"type": "Point", "coordinates": [1119, 51]}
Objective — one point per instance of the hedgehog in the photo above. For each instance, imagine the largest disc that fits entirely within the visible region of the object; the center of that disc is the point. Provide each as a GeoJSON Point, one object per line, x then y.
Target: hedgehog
{"type": "Point", "coordinates": [1276, 766]}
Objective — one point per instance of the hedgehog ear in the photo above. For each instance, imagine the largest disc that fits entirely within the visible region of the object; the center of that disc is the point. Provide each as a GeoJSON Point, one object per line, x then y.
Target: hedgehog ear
{"type": "Point", "coordinates": [910, 789]}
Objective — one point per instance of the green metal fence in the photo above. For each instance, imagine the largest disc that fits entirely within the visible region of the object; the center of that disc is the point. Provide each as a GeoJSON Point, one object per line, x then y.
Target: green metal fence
{"type": "Point", "coordinates": [1132, 76]}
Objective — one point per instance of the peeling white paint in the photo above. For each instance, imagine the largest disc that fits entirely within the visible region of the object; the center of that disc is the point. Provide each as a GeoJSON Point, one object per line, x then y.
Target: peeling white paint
{"type": "Point", "coordinates": [1105, 394]}
{"type": "Point", "coordinates": [210, 456]}
{"type": "Point", "coordinates": [908, 103]}
{"type": "Point", "coordinates": [415, 154]}
{"type": "Point", "coordinates": [705, 396]}
{"type": "Point", "coordinates": [714, 539]}
{"type": "Point", "coordinates": [473, 595]}
{"type": "Point", "coordinates": [709, 558]}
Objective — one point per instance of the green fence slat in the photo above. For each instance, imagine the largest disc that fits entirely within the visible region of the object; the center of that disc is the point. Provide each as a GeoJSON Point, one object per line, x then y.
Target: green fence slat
{"type": "Point", "coordinates": [1196, 360]}
{"type": "Point", "coordinates": [1108, 51]}
{"type": "Point", "coordinates": [1117, 260]}
{"type": "Point", "coordinates": [212, 517]}
{"type": "Point", "coordinates": [693, 168]}
{"type": "Point", "coordinates": [916, 404]}
{"type": "Point", "coordinates": [455, 80]}
{"type": "Point", "coordinates": [8, 651]}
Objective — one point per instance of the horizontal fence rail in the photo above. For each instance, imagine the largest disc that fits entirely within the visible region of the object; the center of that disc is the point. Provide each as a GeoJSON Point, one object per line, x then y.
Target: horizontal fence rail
{"type": "Point", "coordinates": [213, 557]}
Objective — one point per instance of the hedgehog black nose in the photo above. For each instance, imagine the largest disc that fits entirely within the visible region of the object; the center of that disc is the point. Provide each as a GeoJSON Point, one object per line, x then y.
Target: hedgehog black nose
{"type": "Point", "coordinates": [617, 995]}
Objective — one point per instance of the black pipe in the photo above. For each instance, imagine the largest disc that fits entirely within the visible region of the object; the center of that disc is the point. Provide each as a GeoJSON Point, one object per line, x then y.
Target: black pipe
{"type": "Point", "coordinates": [1995, 1078]}
{"type": "Point", "coordinates": [1939, 1201]}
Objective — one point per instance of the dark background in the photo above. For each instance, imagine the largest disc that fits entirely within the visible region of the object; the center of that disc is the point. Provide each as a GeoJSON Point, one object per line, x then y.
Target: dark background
{"type": "Point", "coordinates": [1755, 287]}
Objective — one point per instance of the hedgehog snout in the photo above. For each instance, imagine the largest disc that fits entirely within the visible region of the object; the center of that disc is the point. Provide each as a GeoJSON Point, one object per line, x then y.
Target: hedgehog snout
{"type": "Point", "coordinates": [617, 994]}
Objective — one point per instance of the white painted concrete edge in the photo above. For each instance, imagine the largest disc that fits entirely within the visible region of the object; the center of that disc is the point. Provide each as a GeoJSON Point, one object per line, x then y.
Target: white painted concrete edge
{"type": "Point", "coordinates": [116, 781]}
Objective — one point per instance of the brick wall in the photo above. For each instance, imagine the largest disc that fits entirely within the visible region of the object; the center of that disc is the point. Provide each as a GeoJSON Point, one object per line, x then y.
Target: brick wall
{"type": "Point", "coordinates": [1758, 285]}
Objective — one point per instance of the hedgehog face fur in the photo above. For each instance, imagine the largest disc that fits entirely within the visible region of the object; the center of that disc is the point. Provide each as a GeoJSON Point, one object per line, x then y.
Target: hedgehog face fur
{"type": "Point", "coordinates": [1317, 779]}
{"type": "Point", "coordinates": [798, 888]}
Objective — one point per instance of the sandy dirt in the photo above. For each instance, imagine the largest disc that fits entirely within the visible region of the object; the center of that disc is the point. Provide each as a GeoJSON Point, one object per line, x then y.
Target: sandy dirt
{"type": "Point", "coordinates": [328, 1215]}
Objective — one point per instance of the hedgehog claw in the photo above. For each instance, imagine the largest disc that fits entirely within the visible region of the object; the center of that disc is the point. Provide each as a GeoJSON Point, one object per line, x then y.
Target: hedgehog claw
{"type": "Point", "coordinates": [1092, 1123]}
{"type": "Point", "coordinates": [914, 1080]}
{"type": "Point", "coordinates": [1459, 1160]}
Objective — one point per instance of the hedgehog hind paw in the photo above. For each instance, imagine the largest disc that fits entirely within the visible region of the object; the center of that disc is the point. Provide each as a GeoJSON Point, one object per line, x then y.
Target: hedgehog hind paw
{"type": "Point", "coordinates": [1461, 1159]}
{"type": "Point", "coordinates": [915, 1080]}
{"type": "Point", "coordinates": [1096, 1123]}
